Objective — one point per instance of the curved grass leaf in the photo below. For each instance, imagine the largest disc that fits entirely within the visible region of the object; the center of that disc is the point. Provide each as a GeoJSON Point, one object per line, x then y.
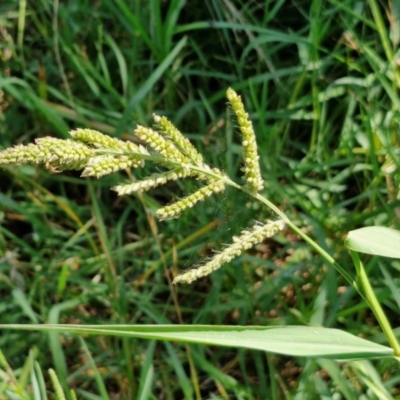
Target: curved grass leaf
{"type": "Point", "coordinates": [290, 340]}
{"type": "Point", "coordinates": [375, 240]}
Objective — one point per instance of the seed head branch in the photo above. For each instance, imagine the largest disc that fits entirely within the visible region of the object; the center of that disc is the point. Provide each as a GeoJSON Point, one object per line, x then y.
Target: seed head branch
{"type": "Point", "coordinates": [251, 166]}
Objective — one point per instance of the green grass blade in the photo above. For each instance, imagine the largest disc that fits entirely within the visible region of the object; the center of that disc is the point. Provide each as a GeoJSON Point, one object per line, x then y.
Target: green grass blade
{"type": "Point", "coordinates": [336, 374]}
{"type": "Point", "coordinates": [375, 240]}
{"type": "Point", "coordinates": [147, 373]}
{"type": "Point", "coordinates": [300, 341]}
{"type": "Point", "coordinates": [99, 379]}
{"type": "Point", "coordinates": [149, 83]}
{"type": "Point", "coordinates": [23, 302]}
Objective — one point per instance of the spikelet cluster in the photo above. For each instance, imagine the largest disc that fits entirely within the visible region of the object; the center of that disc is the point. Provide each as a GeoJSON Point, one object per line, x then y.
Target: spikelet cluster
{"type": "Point", "coordinates": [169, 131]}
{"type": "Point", "coordinates": [56, 154]}
{"type": "Point", "coordinates": [175, 210]}
{"type": "Point", "coordinates": [245, 241]}
{"type": "Point", "coordinates": [99, 140]}
{"type": "Point", "coordinates": [251, 166]}
{"type": "Point", "coordinates": [152, 182]}
{"type": "Point", "coordinates": [106, 164]}
{"type": "Point", "coordinates": [21, 154]}
{"type": "Point", "coordinates": [162, 146]}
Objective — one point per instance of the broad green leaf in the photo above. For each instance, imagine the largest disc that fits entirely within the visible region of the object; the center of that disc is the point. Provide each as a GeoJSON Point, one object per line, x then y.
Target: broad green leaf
{"type": "Point", "coordinates": [375, 240]}
{"type": "Point", "coordinates": [291, 340]}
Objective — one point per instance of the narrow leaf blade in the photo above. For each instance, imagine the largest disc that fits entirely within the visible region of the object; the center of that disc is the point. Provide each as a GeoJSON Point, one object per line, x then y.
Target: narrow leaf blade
{"type": "Point", "coordinates": [300, 341]}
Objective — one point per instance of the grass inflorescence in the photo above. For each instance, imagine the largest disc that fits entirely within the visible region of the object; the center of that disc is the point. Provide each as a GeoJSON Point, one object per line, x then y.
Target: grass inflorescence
{"type": "Point", "coordinates": [319, 82]}
{"type": "Point", "coordinates": [98, 155]}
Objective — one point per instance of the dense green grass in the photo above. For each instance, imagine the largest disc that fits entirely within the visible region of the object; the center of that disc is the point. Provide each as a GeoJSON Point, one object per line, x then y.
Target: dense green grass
{"type": "Point", "coordinates": [320, 81]}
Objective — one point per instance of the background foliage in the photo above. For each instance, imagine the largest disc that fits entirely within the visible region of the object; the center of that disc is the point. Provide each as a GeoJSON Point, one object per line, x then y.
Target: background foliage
{"type": "Point", "coordinates": [320, 80]}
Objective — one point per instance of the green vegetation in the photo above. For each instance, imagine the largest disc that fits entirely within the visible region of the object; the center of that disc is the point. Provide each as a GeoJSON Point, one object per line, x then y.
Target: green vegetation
{"type": "Point", "coordinates": [320, 82]}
